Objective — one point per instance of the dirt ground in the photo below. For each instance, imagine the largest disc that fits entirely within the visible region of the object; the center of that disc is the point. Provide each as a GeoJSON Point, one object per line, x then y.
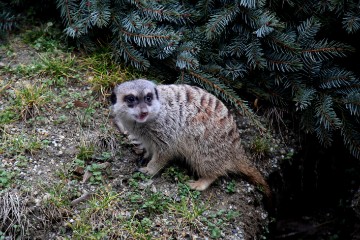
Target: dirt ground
{"type": "Point", "coordinates": [40, 147]}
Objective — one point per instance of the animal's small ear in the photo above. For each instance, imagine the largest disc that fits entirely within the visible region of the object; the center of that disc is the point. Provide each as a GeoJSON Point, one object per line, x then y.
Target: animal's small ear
{"type": "Point", "coordinates": [113, 98]}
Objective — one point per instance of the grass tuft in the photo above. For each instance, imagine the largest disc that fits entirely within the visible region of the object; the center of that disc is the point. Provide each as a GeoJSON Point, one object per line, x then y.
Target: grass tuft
{"type": "Point", "coordinates": [104, 74]}
{"type": "Point", "coordinates": [30, 99]}
{"type": "Point", "coordinates": [13, 212]}
{"type": "Point", "coordinates": [260, 147]}
{"type": "Point", "coordinates": [58, 66]}
{"type": "Point", "coordinates": [20, 144]}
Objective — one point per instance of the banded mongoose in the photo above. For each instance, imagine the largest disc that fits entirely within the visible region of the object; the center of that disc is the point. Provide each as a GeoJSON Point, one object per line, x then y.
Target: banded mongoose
{"type": "Point", "coordinates": [183, 121]}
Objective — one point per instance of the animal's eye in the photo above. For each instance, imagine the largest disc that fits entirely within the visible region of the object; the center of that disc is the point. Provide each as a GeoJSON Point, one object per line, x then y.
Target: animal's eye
{"type": "Point", "coordinates": [148, 98]}
{"type": "Point", "coordinates": [130, 98]}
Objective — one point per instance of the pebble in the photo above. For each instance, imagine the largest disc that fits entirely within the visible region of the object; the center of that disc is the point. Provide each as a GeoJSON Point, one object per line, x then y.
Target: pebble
{"type": "Point", "coordinates": [144, 185]}
{"type": "Point", "coordinates": [42, 131]}
{"type": "Point", "coordinates": [263, 215]}
{"type": "Point", "coordinates": [37, 201]}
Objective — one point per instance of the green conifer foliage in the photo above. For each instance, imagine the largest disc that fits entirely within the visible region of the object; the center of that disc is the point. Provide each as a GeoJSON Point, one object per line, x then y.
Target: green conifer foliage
{"type": "Point", "coordinates": [275, 50]}
{"type": "Point", "coordinates": [8, 19]}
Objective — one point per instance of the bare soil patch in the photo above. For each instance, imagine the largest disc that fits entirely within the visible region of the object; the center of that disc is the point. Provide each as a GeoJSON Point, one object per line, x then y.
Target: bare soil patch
{"type": "Point", "coordinates": [46, 149]}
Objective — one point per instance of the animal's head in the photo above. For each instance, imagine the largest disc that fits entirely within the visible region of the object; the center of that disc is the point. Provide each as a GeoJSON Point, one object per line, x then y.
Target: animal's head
{"type": "Point", "coordinates": [136, 100]}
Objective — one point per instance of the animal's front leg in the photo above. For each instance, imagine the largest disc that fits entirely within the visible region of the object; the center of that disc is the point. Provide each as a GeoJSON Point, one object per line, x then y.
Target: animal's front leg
{"type": "Point", "coordinates": [139, 147]}
{"type": "Point", "coordinates": [157, 162]}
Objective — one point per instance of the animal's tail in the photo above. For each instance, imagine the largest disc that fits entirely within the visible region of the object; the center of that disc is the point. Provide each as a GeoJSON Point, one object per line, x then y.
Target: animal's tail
{"type": "Point", "coordinates": [255, 177]}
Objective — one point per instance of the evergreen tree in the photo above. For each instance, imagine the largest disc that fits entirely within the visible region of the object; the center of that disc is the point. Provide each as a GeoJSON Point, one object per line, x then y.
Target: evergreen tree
{"type": "Point", "coordinates": [277, 51]}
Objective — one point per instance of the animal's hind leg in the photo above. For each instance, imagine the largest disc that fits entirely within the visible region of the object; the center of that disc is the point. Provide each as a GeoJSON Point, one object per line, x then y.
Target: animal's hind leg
{"type": "Point", "coordinates": [202, 183]}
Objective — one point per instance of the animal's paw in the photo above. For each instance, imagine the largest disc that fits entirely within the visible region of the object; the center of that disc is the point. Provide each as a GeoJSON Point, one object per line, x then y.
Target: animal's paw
{"type": "Point", "coordinates": [201, 184]}
{"type": "Point", "coordinates": [197, 185]}
{"type": "Point", "coordinates": [146, 171]}
{"type": "Point", "coordinates": [138, 149]}
{"type": "Point", "coordinates": [142, 161]}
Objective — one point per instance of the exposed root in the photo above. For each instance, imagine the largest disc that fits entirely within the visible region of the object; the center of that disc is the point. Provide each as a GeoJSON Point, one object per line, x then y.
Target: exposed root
{"type": "Point", "coordinates": [83, 198]}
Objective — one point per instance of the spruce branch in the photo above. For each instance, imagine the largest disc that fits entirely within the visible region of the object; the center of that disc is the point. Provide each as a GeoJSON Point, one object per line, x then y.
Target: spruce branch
{"type": "Point", "coordinates": [236, 48]}
{"type": "Point", "coordinates": [133, 22]}
{"type": "Point", "coordinates": [172, 12]}
{"type": "Point", "coordinates": [234, 70]}
{"type": "Point", "coordinates": [77, 18]}
{"type": "Point", "coordinates": [206, 7]}
{"type": "Point", "coordinates": [255, 55]}
{"type": "Point", "coordinates": [186, 60]}
{"type": "Point", "coordinates": [150, 37]}
{"type": "Point", "coordinates": [283, 62]}
{"type": "Point", "coordinates": [267, 22]}
{"type": "Point", "coordinates": [325, 114]}
{"type": "Point", "coordinates": [67, 9]}
{"type": "Point", "coordinates": [336, 78]}
{"type": "Point", "coordinates": [166, 50]}
{"type": "Point", "coordinates": [324, 50]}
{"type": "Point", "coordinates": [220, 20]}
{"type": "Point", "coordinates": [77, 30]}
{"type": "Point", "coordinates": [100, 13]}
{"type": "Point", "coordinates": [283, 42]}
{"type": "Point", "coordinates": [303, 98]}
{"type": "Point", "coordinates": [307, 30]}
{"type": "Point", "coordinates": [351, 22]}
{"type": "Point", "coordinates": [352, 103]}
{"type": "Point", "coordinates": [7, 21]}
{"type": "Point", "coordinates": [130, 55]}
{"type": "Point", "coordinates": [248, 3]}
{"type": "Point", "coordinates": [187, 56]}
{"type": "Point", "coordinates": [353, 86]}
{"type": "Point", "coordinates": [324, 135]}
{"type": "Point", "coordinates": [351, 137]}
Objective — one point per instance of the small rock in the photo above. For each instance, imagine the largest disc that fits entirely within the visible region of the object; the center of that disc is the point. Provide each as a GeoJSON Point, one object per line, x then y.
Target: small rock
{"type": "Point", "coordinates": [144, 185]}
{"type": "Point", "coordinates": [42, 131]}
{"type": "Point", "coordinates": [71, 150]}
{"type": "Point", "coordinates": [46, 197]}
{"type": "Point", "coordinates": [86, 177]}
{"type": "Point", "coordinates": [37, 201]}
{"type": "Point", "coordinates": [79, 170]}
